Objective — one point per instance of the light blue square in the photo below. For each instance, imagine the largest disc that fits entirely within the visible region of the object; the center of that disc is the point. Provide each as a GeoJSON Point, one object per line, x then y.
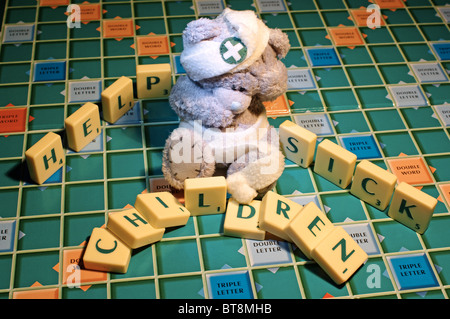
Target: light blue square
{"type": "Point", "coordinates": [230, 285]}
{"type": "Point", "coordinates": [363, 146]}
{"type": "Point", "coordinates": [50, 71]}
{"type": "Point", "coordinates": [442, 50]}
{"type": "Point", "coordinates": [268, 252]}
{"type": "Point", "coordinates": [323, 57]}
{"type": "Point", "coordinates": [178, 67]}
{"type": "Point", "coordinates": [412, 271]}
{"type": "Point", "coordinates": [300, 79]}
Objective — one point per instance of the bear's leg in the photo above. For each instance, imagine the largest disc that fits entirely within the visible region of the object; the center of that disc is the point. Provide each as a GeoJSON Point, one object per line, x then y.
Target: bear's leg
{"type": "Point", "coordinates": [253, 174]}
{"type": "Point", "coordinates": [186, 155]}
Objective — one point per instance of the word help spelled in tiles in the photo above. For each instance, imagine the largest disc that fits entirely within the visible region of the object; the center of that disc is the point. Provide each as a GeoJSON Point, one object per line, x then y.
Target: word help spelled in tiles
{"type": "Point", "coordinates": [117, 99]}
{"type": "Point", "coordinates": [153, 80]}
{"type": "Point", "coordinates": [83, 126]}
{"type": "Point", "coordinates": [45, 157]}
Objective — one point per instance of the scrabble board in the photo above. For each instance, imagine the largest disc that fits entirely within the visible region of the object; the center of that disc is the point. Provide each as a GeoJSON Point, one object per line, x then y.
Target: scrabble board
{"type": "Point", "coordinates": [376, 85]}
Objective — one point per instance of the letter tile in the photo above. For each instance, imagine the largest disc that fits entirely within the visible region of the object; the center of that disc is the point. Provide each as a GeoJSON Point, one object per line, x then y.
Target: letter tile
{"type": "Point", "coordinates": [373, 184]}
{"type": "Point", "coordinates": [298, 144]}
{"type": "Point", "coordinates": [206, 195]}
{"type": "Point", "coordinates": [308, 228]}
{"type": "Point", "coordinates": [339, 255]}
{"type": "Point", "coordinates": [276, 213]}
{"type": "Point", "coordinates": [412, 207]}
{"type": "Point", "coordinates": [334, 163]}
{"type": "Point", "coordinates": [83, 126]}
{"type": "Point", "coordinates": [241, 220]}
{"type": "Point", "coordinates": [132, 228]}
{"type": "Point", "coordinates": [106, 252]}
{"type": "Point", "coordinates": [117, 99]}
{"type": "Point", "coordinates": [162, 209]}
{"type": "Point", "coordinates": [153, 80]}
{"type": "Point", "coordinates": [45, 157]}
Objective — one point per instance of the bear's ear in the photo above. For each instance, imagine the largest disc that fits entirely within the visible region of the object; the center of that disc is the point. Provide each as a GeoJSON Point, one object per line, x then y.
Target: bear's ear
{"type": "Point", "coordinates": [279, 41]}
{"type": "Point", "coordinates": [200, 30]}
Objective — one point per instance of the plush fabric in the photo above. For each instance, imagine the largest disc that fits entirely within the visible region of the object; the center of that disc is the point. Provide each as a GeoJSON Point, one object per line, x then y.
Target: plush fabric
{"type": "Point", "coordinates": [223, 125]}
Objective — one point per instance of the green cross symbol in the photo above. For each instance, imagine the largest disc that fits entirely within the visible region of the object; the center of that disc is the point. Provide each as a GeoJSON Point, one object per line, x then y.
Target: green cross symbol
{"type": "Point", "coordinates": [233, 51]}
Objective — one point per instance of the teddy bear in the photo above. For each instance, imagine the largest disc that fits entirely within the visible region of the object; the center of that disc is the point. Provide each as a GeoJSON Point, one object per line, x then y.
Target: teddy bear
{"type": "Point", "coordinates": [232, 66]}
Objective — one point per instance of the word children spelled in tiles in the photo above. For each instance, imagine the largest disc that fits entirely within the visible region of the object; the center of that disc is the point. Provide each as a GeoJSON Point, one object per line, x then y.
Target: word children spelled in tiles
{"type": "Point", "coordinates": [204, 196]}
{"type": "Point", "coordinates": [339, 255]}
{"type": "Point", "coordinates": [106, 252]}
{"type": "Point", "coordinates": [133, 229]}
{"type": "Point", "coordinates": [308, 228]}
{"type": "Point", "coordinates": [162, 209]}
{"type": "Point", "coordinates": [241, 220]}
{"type": "Point", "coordinates": [276, 213]}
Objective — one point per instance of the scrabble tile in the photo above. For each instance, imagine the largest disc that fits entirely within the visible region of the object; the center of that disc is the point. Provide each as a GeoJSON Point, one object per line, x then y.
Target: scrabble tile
{"type": "Point", "coordinates": [339, 255]}
{"type": "Point", "coordinates": [117, 99]}
{"type": "Point", "coordinates": [106, 252]}
{"type": "Point", "coordinates": [276, 213]}
{"type": "Point", "coordinates": [45, 157]}
{"type": "Point", "coordinates": [308, 228]}
{"type": "Point", "coordinates": [132, 228]}
{"type": "Point", "coordinates": [412, 207]}
{"type": "Point", "coordinates": [373, 185]}
{"type": "Point", "coordinates": [241, 220]}
{"type": "Point", "coordinates": [298, 144]}
{"type": "Point", "coordinates": [45, 293]}
{"type": "Point", "coordinates": [161, 209]}
{"type": "Point", "coordinates": [207, 195]}
{"type": "Point", "coordinates": [153, 80]}
{"type": "Point", "coordinates": [334, 163]}
{"type": "Point", "coordinates": [82, 126]}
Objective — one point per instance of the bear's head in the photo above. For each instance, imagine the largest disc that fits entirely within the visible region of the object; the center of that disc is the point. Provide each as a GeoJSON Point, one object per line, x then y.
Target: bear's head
{"type": "Point", "coordinates": [232, 64]}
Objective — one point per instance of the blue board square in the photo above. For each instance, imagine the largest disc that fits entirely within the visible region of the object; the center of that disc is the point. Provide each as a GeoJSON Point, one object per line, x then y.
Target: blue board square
{"type": "Point", "coordinates": [442, 50]}
{"type": "Point", "coordinates": [235, 285]}
{"type": "Point", "coordinates": [363, 146]}
{"type": "Point", "coordinates": [323, 57]}
{"type": "Point", "coordinates": [412, 271]}
{"type": "Point", "coordinates": [50, 71]}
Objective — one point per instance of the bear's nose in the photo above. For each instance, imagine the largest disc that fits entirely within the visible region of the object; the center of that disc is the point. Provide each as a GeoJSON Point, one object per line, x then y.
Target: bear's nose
{"type": "Point", "coordinates": [236, 107]}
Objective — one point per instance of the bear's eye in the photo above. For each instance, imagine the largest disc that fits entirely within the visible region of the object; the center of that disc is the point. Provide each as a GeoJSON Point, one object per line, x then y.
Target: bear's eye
{"type": "Point", "coordinates": [240, 89]}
